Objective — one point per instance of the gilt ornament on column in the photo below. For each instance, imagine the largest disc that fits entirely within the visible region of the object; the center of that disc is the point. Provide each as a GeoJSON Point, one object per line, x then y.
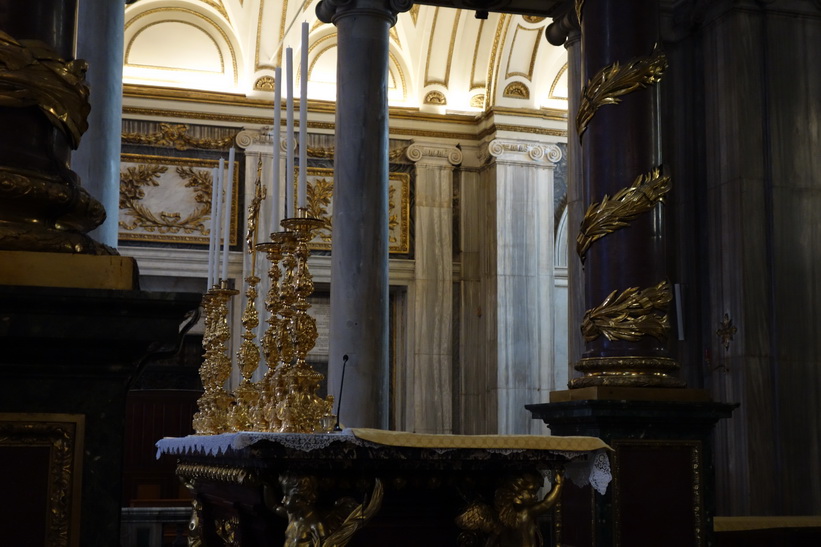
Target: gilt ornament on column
{"type": "Point", "coordinates": [622, 241]}
{"type": "Point", "coordinates": [44, 108]}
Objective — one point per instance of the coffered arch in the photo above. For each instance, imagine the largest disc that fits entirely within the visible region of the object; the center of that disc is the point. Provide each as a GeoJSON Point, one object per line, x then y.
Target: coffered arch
{"type": "Point", "coordinates": [181, 44]}
{"type": "Point", "coordinates": [441, 59]}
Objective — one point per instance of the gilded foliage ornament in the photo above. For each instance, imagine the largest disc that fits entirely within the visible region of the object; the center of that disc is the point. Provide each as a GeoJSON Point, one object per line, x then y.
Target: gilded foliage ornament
{"type": "Point", "coordinates": [626, 205]}
{"type": "Point", "coordinates": [32, 74]}
{"type": "Point", "coordinates": [319, 195]}
{"type": "Point", "coordinates": [615, 80]}
{"type": "Point", "coordinates": [177, 137]}
{"type": "Point", "coordinates": [630, 315]}
{"type": "Point", "coordinates": [132, 183]}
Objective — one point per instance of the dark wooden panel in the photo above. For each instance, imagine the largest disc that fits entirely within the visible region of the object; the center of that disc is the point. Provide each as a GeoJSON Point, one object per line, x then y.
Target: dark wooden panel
{"type": "Point", "coordinates": [150, 416]}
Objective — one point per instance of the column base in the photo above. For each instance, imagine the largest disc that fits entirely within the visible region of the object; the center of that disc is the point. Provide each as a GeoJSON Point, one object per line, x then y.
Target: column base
{"type": "Point", "coordinates": [662, 491]}
{"type": "Point", "coordinates": [620, 393]}
{"type": "Point", "coordinates": [627, 371]}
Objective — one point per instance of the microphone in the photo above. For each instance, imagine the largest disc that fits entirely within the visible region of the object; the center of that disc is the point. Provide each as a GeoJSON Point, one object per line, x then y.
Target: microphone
{"type": "Point", "coordinates": [339, 400]}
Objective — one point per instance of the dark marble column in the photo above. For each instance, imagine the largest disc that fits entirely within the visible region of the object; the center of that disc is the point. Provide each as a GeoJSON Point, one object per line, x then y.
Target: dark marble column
{"type": "Point", "coordinates": [359, 263]}
{"type": "Point", "coordinates": [622, 241]}
{"type": "Point", "coordinates": [564, 31]}
{"type": "Point", "coordinates": [97, 160]}
{"type": "Point", "coordinates": [44, 113]}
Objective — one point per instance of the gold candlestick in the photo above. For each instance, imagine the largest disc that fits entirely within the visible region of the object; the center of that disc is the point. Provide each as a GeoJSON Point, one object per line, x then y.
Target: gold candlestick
{"type": "Point", "coordinates": [212, 417]}
{"type": "Point", "coordinates": [301, 409]}
{"type": "Point", "coordinates": [265, 418]}
{"type": "Point", "coordinates": [247, 394]}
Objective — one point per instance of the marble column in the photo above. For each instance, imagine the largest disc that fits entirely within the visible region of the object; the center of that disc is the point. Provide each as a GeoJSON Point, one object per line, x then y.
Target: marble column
{"type": "Point", "coordinates": [565, 32]}
{"type": "Point", "coordinates": [428, 385]}
{"type": "Point", "coordinates": [97, 160]}
{"type": "Point", "coordinates": [359, 264]}
{"type": "Point", "coordinates": [518, 278]}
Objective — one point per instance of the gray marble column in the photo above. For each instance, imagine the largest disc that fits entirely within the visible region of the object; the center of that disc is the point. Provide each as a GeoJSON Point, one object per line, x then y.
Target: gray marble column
{"type": "Point", "coordinates": [428, 389]}
{"type": "Point", "coordinates": [97, 160]}
{"type": "Point", "coordinates": [359, 264]}
{"type": "Point", "coordinates": [519, 277]}
{"type": "Point", "coordinates": [575, 202]}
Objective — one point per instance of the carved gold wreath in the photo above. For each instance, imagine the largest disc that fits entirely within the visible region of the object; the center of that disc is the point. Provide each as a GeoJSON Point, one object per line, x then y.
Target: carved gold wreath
{"type": "Point", "coordinates": [629, 315]}
{"type": "Point", "coordinates": [626, 205]}
{"type": "Point", "coordinates": [616, 80]}
{"type": "Point", "coordinates": [134, 179]}
{"type": "Point", "coordinates": [318, 196]}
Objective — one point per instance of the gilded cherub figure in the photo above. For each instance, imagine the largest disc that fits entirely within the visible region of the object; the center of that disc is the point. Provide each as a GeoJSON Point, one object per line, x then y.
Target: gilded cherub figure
{"type": "Point", "coordinates": [513, 519]}
{"type": "Point", "coordinates": [308, 526]}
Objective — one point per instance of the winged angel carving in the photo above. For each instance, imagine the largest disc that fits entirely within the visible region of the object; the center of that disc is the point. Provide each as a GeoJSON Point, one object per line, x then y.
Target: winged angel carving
{"type": "Point", "coordinates": [309, 526]}
{"type": "Point", "coordinates": [512, 521]}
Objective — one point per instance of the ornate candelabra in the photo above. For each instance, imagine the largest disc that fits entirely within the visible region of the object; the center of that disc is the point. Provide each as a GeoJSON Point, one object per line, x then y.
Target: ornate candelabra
{"type": "Point", "coordinates": [285, 399]}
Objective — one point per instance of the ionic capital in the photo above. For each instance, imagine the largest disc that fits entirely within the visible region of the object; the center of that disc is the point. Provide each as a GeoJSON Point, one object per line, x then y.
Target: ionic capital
{"type": "Point", "coordinates": [520, 152]}
{"type": "Point", "coordinates": [431, 153]}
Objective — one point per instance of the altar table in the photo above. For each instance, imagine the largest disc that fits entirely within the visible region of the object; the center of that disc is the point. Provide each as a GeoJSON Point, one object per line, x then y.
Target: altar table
{"type": "Point", "coordinates": [366, 487]}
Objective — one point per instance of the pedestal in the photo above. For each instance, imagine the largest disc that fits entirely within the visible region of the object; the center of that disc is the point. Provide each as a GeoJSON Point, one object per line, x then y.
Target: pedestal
{"type": "Point", "coordinates": [69, 355]}
{"type": "Point", "coordinates": [662, 491]}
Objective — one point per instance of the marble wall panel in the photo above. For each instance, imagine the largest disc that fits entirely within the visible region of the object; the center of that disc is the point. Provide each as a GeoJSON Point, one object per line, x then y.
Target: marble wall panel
{"type": "Point", "coordinates": [762, 141]}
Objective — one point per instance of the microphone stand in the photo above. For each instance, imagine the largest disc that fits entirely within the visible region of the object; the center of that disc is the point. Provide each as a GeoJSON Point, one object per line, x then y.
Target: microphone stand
{"type": "Point", "coordinates": [341, 383]}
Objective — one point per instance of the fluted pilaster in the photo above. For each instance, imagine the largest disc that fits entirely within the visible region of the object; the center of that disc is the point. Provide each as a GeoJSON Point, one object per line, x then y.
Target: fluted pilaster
{"type": "Point", "coordinates": [431, 360]}
{"type": "Point", "coordinates": [516, 284]}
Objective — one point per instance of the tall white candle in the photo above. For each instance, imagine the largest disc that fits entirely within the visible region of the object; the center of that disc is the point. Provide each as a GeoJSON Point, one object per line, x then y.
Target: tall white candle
{"type": "Point", "coordinates": [289, 133]}
{"type": "Point", "coordinates": [277, 138]}
{"type": "Point", "coordinates": [303, 120]}
{"type": "Point", "coordinates": [226, 231]}
{"type": "Point", "coordinates": [212, 242]}
{"type": "Point", "coordinates": [217, 221]}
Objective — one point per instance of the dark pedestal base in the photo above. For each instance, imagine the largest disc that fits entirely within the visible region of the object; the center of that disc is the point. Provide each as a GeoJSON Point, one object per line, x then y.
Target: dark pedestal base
{"type": "Point", "coordinates": [662, 491]}
{"type": "Point", "coordinates": [304, 493]}
{"type": "Point", "coordinates": [68, 358]}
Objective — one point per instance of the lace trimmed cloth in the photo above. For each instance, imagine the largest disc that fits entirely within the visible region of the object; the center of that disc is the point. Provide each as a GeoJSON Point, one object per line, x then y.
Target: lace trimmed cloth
{"type": "Point", "coordinates": [588, 461]}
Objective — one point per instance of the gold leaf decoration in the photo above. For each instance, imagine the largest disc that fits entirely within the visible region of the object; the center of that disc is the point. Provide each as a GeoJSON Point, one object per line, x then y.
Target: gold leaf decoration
{"type": "Point", "coordinates": [132, 183]}
{"type": "Point", "coordinates": [630, 315]}
{"type": "Point", "coordinates": [611, 82]}
{"type": "Point", "coordinates": [265, 83]}
{"type": "Point", "coordinates": [435, 97]}
{"type": "Point", "coordinates": [517, 90]}
{"type": "Point", "coordinates": [318, 197]}
{"type": "Point", "coordinates": [610, 215]}
{"type": "Point", "coordinates": [33, 74]}
{"type": "Point", "coordinates": [176, 136]}
{"type": "Point", "coordinates": [579, 8]}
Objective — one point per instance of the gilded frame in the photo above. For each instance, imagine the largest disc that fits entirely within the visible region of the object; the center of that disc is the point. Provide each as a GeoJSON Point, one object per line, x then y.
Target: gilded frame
{"type": "Point", "coordinates": [320, 205]}
{"type": "Point", "coordinates": [166, 179]}
{"type": "Point", "coordinates": [63, 435]}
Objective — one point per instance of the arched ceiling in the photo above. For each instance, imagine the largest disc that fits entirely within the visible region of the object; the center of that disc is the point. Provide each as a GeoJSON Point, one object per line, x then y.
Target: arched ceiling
{"type": "Point", "coordinates": [441, 59]}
